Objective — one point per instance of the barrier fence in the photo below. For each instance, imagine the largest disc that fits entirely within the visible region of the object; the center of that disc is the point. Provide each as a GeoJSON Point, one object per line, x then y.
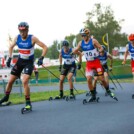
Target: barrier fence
{"type": "Point", "coordinates": [46, 77]}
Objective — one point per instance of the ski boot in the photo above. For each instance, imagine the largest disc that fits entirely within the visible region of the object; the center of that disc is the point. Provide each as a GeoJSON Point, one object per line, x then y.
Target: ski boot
{"type": "Point", "coordinates": [70, 97]}
{"type": "Point", "coordinates": [92, 98]}
{"type": "Point", "coordinates": [89, 93]}
{"type": "Point", "coordinates": [26, 109]}
{"type": "Point", "coordinates": [132, 96]}
{"type": "Point", "coordinates": [112, 95]}
{"type": "Point", "coordinates": [4, 101]}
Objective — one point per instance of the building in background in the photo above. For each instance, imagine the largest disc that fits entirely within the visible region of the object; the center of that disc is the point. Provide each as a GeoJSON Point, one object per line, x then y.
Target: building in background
{"type": "Point", "coordinates": [118, 53]}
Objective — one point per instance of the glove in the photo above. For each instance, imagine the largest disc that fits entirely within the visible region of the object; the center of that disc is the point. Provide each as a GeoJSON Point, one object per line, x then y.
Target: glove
{"type": "Point", "coordinates": [60, 67]}
{"type": "Point", "coordinates": [123, 62]}
{"type": "Point", "coordinates": [8, 61]}
{"type": "Point", "coordinates": [40, 61]}
{"type": "Point", "coordinates": [79, 66]}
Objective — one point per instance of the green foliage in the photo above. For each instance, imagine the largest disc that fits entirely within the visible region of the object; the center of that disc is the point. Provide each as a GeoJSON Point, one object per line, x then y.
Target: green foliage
{"type": "Point", "coordinates": [100, 21]}
{"type": "Point", "coordinates": [52, 51]}
{"type": "Point", "coordinates": [37, 52]}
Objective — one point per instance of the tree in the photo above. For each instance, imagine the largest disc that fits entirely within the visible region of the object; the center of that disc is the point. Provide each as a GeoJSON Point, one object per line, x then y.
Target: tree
{"type": "Point", "coordinates": [100, 21]}
{"type": "Point", "coordinates": [37, 52]}
{"type": "Point", "coordinates": [52, 51]}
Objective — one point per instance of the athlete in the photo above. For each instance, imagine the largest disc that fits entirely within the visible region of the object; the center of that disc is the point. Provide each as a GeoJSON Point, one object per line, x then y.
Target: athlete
{"type": "Point", "coordinates": [69, 66]}
{"type": "Point", "coordinates": [103, 56]}
{"type": "Point", "coordinates": [25, 43]}
{"type": "Point", "coordinates": [91, 49]}
{"type": "Point", "coordinates": [130, 50]}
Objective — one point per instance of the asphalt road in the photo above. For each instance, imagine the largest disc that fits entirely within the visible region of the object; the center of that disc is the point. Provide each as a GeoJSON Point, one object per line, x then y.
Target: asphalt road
{"type": "Point", "coordinates": [72, 117]}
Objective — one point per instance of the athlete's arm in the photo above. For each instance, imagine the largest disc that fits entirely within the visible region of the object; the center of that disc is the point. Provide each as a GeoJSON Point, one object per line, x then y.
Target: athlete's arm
{"type": "Point", "coordinates": [97, 45]}
{"type": "Point", "coordinates": [11, 46]}
{"type": "Point", "coordinates": [60, 58]}
{"type": "Point", "coordinates": [111, 59]}
{"type": "Point", "coordinates": [35, 40]}
{"type": "Point", "coordinates": [125, 55]}
{"type": "Point", "coordinates": [77, 48]}
{"type": "Point", "coordinates": [80, 56]}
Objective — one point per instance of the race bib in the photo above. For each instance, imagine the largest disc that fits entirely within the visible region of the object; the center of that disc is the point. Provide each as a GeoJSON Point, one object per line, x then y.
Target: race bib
{"type": "Point", "coordinates": [91, 54]}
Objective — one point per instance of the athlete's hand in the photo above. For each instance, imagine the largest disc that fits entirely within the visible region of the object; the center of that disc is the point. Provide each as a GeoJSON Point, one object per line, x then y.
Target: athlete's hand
{"type": "Point", "coordinates": [60, 67]}
{"type": "Point", "coordinates": [79, 66]}
{"type": "Point", "coordinates": [8, 61]}
{"type": "Point", "coordinates": [40, 61]}
{"type": "Point", "coordinates": [123, 62]}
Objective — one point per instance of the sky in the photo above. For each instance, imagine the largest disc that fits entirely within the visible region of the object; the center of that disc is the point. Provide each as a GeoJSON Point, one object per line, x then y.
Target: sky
{"type": "Point", "coordinates": [51, 20]}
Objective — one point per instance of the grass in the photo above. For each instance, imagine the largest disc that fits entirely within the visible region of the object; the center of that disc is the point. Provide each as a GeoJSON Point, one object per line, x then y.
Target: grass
{"type": "Point", "coordinates": [15, 98]}
{"type": "Point", "coordinates": [118, 69]}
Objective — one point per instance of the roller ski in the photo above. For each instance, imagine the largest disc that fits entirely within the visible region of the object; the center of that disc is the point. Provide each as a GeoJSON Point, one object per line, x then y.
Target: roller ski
{"type": "Point", "coordinates": [4, 101]}
{"type": "Point", "coordinates": [57, 98]}
{"type": "Point", "coordinates": [112, 95]}
{"type": "Point", "coordinates": [26, 109]}
{"type": "Point", "coordinates": [70, 97]}
{"type": "Point", "coordinates": [91, 99]}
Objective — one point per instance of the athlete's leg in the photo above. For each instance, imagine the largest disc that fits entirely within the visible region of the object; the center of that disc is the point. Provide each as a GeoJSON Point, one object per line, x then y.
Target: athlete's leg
{"type": "Point", "coordinates": [95, 82]}
{"type": "Point", "coordinates": [8, 88]}
{"type": "Point", "coordinates": [69, 77]}
{"type": "Point", "coordinates": [62, 77]}
{"type": "Point", "coordinates": [106, 77]}
{"type": "Point", "coordinates": [25, 82]}
{"type": "Point", "coordinates": [89, 75]}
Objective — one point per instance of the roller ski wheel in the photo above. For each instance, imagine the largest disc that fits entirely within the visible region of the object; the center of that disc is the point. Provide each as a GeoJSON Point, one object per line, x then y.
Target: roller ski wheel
{"type": "Point", "coordinates": [91, 100]}
{"type": "Point", "coordinates": [6, 103]}
{"type": "Point", "coordinates": [26, 109]}
{"type": "Point", "coordinates": [84, 101]}
{"type": "Point", "coordinates": [133, 96]}
{"type": "Point", "coordinates": [71, 97]}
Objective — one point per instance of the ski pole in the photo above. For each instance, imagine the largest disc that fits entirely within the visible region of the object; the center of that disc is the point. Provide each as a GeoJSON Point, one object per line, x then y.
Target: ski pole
{"type": "Point", "coordinates": [112, 81]}
{"type": "Point", "coordinates": [57, 76]}
{"type": "Point", "coordinates": [116, 79]}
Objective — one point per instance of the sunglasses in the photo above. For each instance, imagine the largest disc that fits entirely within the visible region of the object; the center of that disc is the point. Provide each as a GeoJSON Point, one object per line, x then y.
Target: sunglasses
{"type": "Point", "coordinates": [83, 35]}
